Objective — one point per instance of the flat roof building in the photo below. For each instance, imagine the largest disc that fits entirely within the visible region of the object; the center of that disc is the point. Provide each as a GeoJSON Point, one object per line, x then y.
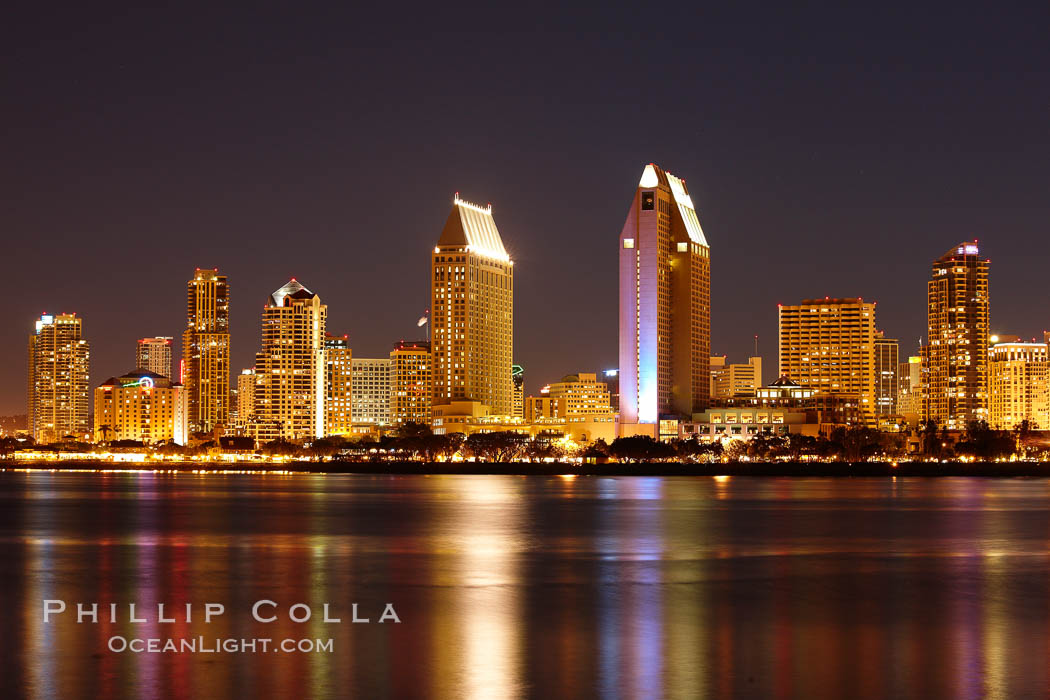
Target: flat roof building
{"type": "Point", "coordinates": [410, 381]}
{"type": "Point", "coordinates": [829, 345]}
{"type": "Point", "coordinates": [370, 392]}
{"type": "Point", "coordinates": [58, 393]}
{"type": "Point", "coordinates": [1019, 386]}
{"type": "Point", "coordinates": [154, 355]}
{"type": "Point", "coordinates": [955, 360]}
{"type": "Point", "coordinates": [205, 370]}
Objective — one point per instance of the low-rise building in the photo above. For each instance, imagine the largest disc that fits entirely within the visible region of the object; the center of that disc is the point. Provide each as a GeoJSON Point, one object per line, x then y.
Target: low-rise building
{"type": "Point", "coordinates": [142, 406]}
{"type": "Point", "coordinates": [728, 380]}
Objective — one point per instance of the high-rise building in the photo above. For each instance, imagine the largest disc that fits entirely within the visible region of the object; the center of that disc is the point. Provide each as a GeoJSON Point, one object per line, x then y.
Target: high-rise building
{"type": "Point", "coordinates": [665, 303]}
{"type": "Point", "coordinates": [410, 381]}
{"type": "Point", "coordinates": [731, 380]}
{"type": "Point", "coordinates": [338, 385]}
{"type": "Point", "coordinates": [1019, 386]}
{"type": "Point", "coordinates": [290, 366]}
{"type": "Point", "coordinates": [955, 358]}
{"type": "Point", "coordinates": [517, 376]}
{"type": "Point", "coordinates": [141, 405]}
{"type": "Point", "coordinates": [829, 345]}
{"type": "Point", "coordinates": [611, 377]}
{"type": "Point", "coordinates": [206, 350]}
{"type": "Point", "coordinates": [886, 384]}
{"type": "Point", "coordinates": [909, 388]}
{"type": "Point", "coordinates": [246, 396]}
{"type": "Point", "coordinates": [58, 399]}
{"type": "Point", "coordinates": [154, 355]}
{"type": "Point", "coordinates": [472, 312]}
{"type": "Point", "coordinates": [370, 392]}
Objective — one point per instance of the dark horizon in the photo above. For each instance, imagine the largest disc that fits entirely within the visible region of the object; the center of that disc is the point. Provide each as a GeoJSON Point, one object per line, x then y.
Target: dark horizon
{"type": "Point", "coordinates": [830, 152]}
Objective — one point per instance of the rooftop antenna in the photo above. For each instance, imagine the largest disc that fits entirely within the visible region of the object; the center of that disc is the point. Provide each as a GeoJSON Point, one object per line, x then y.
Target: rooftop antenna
{"type": "Point", "coordinates": [756, 345]}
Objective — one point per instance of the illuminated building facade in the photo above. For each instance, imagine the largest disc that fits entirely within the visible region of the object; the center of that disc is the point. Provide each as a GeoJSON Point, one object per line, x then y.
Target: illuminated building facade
{"type": "Point", "coordinates": [886, 384]}
{"type": "Point", "coordinates": [472, 312]}
{"type": "Point", "coordinates": [829, 345]}
{"type": "Point", "coordinates": [58, 392]}
{"type": "Point", "coordinates": [290, 387]}
{"type": "Point", "coordinates": [142, 406]}
{"type": "Point", "coordinates": [245, 396]}
{"type": "Point", "coordinates": [955, 360]}
{"type": "Point", "coordinates": [517, 376]}
{"type": "Point", "coordinates": [1019, 386]}
{"type": "Point", "coordinates": [338, 385]}
{"type": "Point", "coordinates": [729, 380]}
{"type": "Point", "coordinates": [154, 355]}
{"type": "Point", "coordinates": [581, 397]}
{"type": "Point", "coordinates": [909, 388]}
{"type": "Point", "coordinates": [206, 350]}
{"type": "Point", "coordinates": [410, 382]}
{"type": "Point", "coordinates": [370, 391]}
{"type": "Point", "coordinates": [583, 404]}
{"type": "Point", "coordinates": [541, 408]}
{"type": "Point", "coordinates": [665, 304]}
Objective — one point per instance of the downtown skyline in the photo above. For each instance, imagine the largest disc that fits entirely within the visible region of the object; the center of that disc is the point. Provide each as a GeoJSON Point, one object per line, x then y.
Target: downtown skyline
{"type": "Point", "coordinates": [819, 167]}
{"type": "Point", "coordinates": [553, 351]}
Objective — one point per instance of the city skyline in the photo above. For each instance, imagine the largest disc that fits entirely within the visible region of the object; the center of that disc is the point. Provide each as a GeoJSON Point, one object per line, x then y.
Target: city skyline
{"type": "Point", "coordinates": [538, 382]}
{"type": "Point", "coordinates": [821, 166]}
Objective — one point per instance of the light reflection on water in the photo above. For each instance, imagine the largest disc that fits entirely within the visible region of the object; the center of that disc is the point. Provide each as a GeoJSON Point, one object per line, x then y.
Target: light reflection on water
{"type": "Point", "coordinates": [510, 587]}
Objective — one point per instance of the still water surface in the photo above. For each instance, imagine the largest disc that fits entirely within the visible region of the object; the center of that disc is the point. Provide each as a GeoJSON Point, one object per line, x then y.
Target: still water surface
{"type": "Point", "coordinates": [631, 587]}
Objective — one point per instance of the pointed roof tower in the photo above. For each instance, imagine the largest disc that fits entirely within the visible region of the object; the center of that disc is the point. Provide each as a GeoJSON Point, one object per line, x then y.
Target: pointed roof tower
{"type": "Point", "coordinates": [292, 289]}
{"type": "Point", "coordinates": [654, 176]}
{"type": "Point", "coordinates": [473, 226]}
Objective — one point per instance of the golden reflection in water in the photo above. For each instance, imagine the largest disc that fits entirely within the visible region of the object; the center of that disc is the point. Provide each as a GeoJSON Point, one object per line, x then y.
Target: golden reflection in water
{"type": "Point", "coordinates": [641, 587]}
{"type": "Point", "coordinates": [686, 610]}
{"type": "Point", "coordinates": [42, 643]}
{"type": "Point", "coordinates": [479, 642]}
{"type": "Point", "coordinates": [994, 591]}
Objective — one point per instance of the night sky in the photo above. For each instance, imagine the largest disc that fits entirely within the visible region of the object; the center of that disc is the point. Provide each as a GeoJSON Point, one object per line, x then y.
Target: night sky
{"type": "Point", "coordinates": [830, 151]}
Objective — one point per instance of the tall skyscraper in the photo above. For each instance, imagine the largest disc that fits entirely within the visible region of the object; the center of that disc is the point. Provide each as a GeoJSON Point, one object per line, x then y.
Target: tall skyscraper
{"type": "Point", "coordinates": [290, 366]}
{"type": "Point", "coordinates": [154, 355]}
{"type": "Point", "coordinates": [665, 303]}
{"type": "Point", "coordinates": [57, 400]}
{"type": "Point", "coordinates": [829, 345]}
{"type": "Point", "coordinates": [886, 384]}
{"type": "Point", "coordinates": [338, 385]}
{"type": "Point", "coordinates": [246, 396]}
{"type": "Point", "coordinates": [206, 350]}
{"type": "Point", "coordinates": [410, 381]}
{"type": "Point", "coordinates": [955, 358]}
{"type": "Point", "coordinates": [472, 311]}
{"type": "Point", "coordinates": [370, 391]}
{"type": "Point", "coordinates": [517, 376]}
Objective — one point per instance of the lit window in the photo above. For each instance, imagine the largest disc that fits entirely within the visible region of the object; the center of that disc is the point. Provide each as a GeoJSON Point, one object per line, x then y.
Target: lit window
{"type": "Point", "coordinates": [628, 243]}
